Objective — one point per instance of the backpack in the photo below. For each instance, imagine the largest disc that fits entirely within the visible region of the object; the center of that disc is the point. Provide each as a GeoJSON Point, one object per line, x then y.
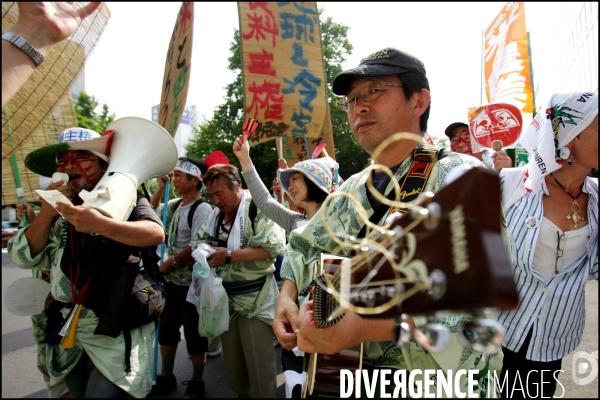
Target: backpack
{"type": "Point", "coordinates": [144, 302]}
{"type": "Point", "coordinates": [190, 217]}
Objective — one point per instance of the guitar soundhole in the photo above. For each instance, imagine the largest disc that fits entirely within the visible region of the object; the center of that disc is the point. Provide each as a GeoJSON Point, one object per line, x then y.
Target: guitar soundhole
{"type": "Point", "coordinates": [325, 304]}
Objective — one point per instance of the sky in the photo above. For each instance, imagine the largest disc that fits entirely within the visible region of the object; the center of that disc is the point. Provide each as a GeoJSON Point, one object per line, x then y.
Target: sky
{"type": "Point", "coordinates": [126, 68]}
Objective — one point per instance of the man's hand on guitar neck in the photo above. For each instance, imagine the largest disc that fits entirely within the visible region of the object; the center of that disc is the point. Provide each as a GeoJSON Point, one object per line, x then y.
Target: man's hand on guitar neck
{"type": "Point", "coordinates": [350, 331]}
{"type": "Point", "coordinates": [284, 323]}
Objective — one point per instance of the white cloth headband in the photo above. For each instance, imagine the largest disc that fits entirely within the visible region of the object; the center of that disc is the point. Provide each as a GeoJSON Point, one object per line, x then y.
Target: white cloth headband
{"type": "Point", "coordinates": [188, 168]}
{"type": "Point", "coordinates": [565, 117]}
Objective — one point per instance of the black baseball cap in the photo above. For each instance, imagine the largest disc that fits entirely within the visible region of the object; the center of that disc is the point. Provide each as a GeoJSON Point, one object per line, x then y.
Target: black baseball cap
{"type": "Point", "coordinates": [389, 61]}
{"type": "Point", "coordinates": [453, 126]}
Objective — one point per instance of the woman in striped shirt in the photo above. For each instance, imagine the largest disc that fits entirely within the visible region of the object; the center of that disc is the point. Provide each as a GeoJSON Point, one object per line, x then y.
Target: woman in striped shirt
{"type": "Point", "coordinates": [551, 209]}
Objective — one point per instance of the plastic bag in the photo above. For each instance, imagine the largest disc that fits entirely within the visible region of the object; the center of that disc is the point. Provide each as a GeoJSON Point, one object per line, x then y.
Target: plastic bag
{"type": "Point", "coordinates": [200, 272]}
{"type": "Point", "coordinates": [208, 295]}
{"type": "Point", "coordinates": [214, 303]}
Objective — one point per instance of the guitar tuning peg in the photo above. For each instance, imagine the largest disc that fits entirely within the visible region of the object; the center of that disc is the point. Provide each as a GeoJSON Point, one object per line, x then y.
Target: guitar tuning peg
{"type": "Point", "coordinates": [436, 284]}
{"type": "Point", "coordinates": [431, 213]}
{"type": "Point", "coordinates": [432, 336]}
{"type": "Point", "coordinates": [481, 334]}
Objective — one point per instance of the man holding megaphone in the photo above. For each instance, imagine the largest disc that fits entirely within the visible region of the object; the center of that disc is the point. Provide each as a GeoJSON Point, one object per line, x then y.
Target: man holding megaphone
{"type": "Point", "coordinates": [85, 251]}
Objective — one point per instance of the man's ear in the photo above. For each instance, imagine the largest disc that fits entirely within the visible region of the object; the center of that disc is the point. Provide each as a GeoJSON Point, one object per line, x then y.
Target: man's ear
{"type": "Point", "coordinates": [422, 99]}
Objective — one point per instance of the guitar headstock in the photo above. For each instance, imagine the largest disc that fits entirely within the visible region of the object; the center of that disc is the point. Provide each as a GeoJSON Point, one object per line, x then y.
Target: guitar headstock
{"type": "Point", "coordinates": [450, 256]}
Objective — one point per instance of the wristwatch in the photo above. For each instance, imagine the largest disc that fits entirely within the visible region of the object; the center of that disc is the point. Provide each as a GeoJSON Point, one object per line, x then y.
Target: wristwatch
{"type": "Point", "coordinates": [173, 262]}
{"type": "Point", "coordinates": [228, 257]}
{"type": "Point", "coordinates": [24, 45]}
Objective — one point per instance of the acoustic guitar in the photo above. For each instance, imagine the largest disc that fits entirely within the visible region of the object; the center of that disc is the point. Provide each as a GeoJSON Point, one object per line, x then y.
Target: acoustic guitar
{"type": "Point", "coordinates": [449, 257]}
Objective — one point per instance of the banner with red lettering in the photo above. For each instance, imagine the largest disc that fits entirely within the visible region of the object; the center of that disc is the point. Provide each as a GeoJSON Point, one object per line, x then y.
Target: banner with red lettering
{"type": "Point", "coordinates": [283, 69]}
{"type": "Point", "coordinates": [295, 149]}
{"type": "Point", "coordinates": [507, 64]}
{"type": "Point", "coordinates": [177, 70]}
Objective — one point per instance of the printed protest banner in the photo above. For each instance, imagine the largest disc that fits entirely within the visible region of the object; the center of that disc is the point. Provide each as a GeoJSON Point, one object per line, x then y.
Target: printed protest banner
{"type": "Point", "coordinates": [295, 149]}
{"type": "Point", "coordinates": [177, 70]}
{"type": "Point", "coordinates": [507, 63]}
{"type": "Point", "coordinates": [283, 70]}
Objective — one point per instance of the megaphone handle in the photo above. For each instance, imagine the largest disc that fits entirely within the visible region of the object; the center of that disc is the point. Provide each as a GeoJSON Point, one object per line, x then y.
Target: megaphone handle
{"type": "Point", "coordinates": [69, 340]}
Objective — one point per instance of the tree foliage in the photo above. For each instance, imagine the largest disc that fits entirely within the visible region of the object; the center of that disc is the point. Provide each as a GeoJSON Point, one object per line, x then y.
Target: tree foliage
{"type": "Point", "coordinates": [219, 132]}
{"type": "Point", "coordinates": [87, 117]}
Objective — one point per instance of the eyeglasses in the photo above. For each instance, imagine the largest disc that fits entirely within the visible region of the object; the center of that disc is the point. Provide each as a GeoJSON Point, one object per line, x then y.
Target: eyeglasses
{"type": "Point", "coordinates": [368, 93]}
{"type": "Point", "coordinates": [559, 251]}
{"type": "Point", "coordinates": [456, 140]}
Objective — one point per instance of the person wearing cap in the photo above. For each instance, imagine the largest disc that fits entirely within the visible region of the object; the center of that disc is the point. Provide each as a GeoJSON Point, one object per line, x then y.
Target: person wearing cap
{"type": "Point", "coordinates": [95, 365]}
{"type": "Point", "coordinates": [387, 93]}
{"type": "Point", "coordinates": [460, 142]}
{"type": "Point", "coordinates": [177, 270]}
{"type": "Point", "coordinates": [308, 182]}
{"type": "Point", "coordinates": [244, 257]}
{"type": "Point", "coordinates": [551, 208]}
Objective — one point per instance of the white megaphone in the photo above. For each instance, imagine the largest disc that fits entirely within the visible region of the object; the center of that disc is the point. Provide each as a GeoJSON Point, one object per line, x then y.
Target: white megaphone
{"type": "Point", "coordinates": [140, 150]}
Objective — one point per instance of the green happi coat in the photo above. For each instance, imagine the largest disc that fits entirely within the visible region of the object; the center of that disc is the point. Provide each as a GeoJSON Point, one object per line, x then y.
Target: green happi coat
{"type": "Point", "coordinates": [303, 254]}
{"type": "Point", "coordinates": [266, 234]}
{"type": "Point", "coordinates": [182, 275]}
{"type": "Point", "coordinates": [107, 353]}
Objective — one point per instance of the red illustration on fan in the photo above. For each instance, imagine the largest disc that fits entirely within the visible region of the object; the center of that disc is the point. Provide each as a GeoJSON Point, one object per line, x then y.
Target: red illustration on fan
{"type": "Point", "coordinates": [498, 122]}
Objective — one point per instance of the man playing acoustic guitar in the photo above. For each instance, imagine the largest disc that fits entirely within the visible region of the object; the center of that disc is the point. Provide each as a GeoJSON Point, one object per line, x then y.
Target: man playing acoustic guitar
{"type": "Point", "coordinates": [386, 94]}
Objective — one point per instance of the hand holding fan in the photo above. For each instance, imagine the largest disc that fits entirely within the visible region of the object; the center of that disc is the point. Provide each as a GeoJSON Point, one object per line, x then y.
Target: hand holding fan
{"type": "Point", "coordinates": [249, 127]}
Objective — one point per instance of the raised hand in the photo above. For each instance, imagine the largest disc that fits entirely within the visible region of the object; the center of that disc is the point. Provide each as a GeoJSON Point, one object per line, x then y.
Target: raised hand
{"type": "Point", "coordinates": [241, 149]}
{"type": "Point", "coordinates": [48, 23]}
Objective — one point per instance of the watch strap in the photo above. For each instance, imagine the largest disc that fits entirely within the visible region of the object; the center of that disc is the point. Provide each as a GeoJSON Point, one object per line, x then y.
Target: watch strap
{"type": "Point", "coordinates": [24, 45]}
{"type": "Point", "coordinates": [173, 262]}
{"type": "Point", "coordinates": [228, 257]}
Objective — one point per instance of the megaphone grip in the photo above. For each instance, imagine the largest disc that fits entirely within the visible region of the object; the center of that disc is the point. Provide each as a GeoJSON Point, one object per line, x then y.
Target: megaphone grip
{"type": "Point", "coordinates": [69, 340]}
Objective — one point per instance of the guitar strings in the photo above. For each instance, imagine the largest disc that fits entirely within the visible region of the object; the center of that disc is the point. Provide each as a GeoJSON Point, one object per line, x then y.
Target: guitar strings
{"type": "Point", "coordinates": [410, 270]}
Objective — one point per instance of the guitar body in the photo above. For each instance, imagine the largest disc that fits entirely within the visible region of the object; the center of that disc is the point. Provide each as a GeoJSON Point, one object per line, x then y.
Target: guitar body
{"type": "Point", "coordinates": [323, 374]}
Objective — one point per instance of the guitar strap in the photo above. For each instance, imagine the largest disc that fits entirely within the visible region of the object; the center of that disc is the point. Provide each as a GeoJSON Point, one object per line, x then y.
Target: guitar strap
{"type": "Point", "coordinates": [412, 184]}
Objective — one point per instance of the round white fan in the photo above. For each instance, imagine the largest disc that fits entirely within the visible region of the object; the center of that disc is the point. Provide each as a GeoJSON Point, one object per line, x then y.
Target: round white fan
{"type": "Point", "coordinates": [26, 296]}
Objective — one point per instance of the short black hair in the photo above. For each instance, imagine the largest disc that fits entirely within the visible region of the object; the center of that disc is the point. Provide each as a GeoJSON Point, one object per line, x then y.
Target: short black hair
{"type": "Point", "coordinates": [314, 193]}
{"type": "Point", "coordinates": [411, 83]}
{"type": "Point", "coordinates": [198, 163]}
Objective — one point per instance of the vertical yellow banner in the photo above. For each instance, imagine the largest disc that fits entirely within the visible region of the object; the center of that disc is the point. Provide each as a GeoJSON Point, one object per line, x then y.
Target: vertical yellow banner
{"type": "Point", "coordinates": [177, 70]}
{"type": "Point", "coordinates": [283, 71]}
{"type": "Point", "coordinates": [294, 148]}
{"type": "Point", "coordinates": [507, 76]}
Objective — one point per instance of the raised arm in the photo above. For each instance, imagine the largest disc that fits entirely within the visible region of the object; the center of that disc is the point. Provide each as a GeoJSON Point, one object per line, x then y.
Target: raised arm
{"type": "Point", "coordinates": [281, 215]}
{"type": "Point", "coordinates": [43, 25]}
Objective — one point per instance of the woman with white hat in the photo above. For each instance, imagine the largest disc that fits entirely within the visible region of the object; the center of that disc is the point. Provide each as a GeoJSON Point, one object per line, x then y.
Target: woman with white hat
{"type": "Point", "coordinates": [551, 208]}
{"type": "Point", "coordinates": [308, 183]}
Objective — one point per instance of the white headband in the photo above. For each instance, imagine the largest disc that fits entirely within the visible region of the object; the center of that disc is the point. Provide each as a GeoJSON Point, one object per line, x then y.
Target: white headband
{"type": "Point", "coordinates": [188, 168]}
{"type": "Point", "coordinates": [565, 117]}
